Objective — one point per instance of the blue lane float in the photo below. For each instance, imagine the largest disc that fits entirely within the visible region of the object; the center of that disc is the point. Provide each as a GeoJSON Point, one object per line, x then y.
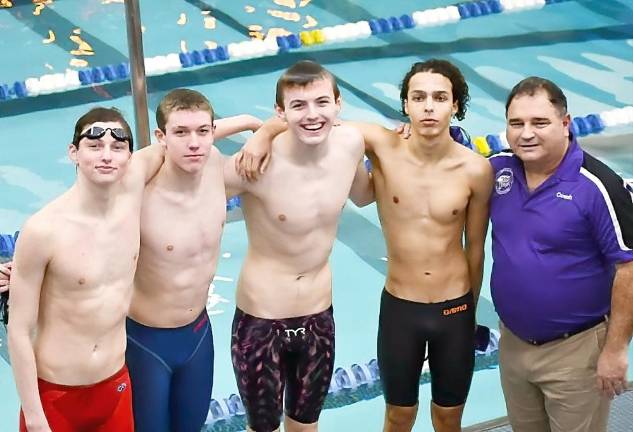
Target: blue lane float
{"type": "Point", "coordinates": [596, 125]}
{"type": "Point", "coordinates": [283, 44]}
{"type": "Point", "coordinates": [210, 55]}
{"type": "Point", "coordinates": [294, 41]}
{"type": "Point", "coordinates": [4, 92]}
{"type": "Point", "coordinates": [123, 70]}
{"type": "Point", "coordinates": [580, 126]}
{"type": "Point", "coordinates": [85, 77]}
{"type": "Point", "coordinates": [495, 143]}
{"type": "Point", "coordinates": [374, 26]}
{"type": "Point", "coordinates": [97, 75]}
{"type": "Point", "coordinates": [185, 59]}
{"type": "Point", "coordinates": [19, 88]}
{"type": "Point", "coordinates": [109, 72]}
{"type": "Point", "coordinates": [407, 21]}
{"type": "Point", "coordinates": [223, 53]}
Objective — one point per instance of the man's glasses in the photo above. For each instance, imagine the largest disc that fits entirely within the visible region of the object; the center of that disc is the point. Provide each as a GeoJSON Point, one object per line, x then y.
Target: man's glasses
{"type": "Point", "coordinates": [96, 132]}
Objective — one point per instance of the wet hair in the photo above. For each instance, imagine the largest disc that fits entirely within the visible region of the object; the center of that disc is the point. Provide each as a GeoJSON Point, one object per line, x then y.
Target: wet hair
{"type": "Point", "coordinates": [531, 85]}
{"type": "Point", "coordinates": [101, 114]}
{"type": "Point", "coordinates": [301, 74]}
{"type": "Point", "coordinates": [447, 69]}
{"type": "Point", "coordinates": [178, 100]}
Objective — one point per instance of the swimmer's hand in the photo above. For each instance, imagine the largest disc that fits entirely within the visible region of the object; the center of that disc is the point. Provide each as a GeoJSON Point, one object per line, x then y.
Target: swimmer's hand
{"type": "Point", "coordinates": [253, 159]}
{"type": "Point", "coordinates": [403, 129]}
{"type": "Point", "coordinates": [5, 276]}
{"type": "Point", "coordinates": [255, 123]}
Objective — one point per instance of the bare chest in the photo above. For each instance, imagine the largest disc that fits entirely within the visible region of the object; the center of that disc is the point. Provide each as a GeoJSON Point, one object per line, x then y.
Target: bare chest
{"type": "Point", "coordinates": [92, 256]}
{"type": "Point", "coordinates": [301, 200]}
{"type": "Point", "coordinates": [182, 227]}
{"type": "Point", "coordinates": [406, 190]}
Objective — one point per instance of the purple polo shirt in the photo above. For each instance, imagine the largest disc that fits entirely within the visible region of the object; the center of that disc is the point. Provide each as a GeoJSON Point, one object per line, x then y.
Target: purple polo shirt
{"type": "Point", "coordinates": [555, 249]}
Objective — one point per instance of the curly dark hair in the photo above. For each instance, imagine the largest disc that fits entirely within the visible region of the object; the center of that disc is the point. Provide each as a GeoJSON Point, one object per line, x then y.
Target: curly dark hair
{"type": "Point", "coordinates": [450, 71]}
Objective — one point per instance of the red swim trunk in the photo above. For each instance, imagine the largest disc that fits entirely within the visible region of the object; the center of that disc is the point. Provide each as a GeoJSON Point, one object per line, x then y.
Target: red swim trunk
{"type": "Point", "coordinates": [105, 406]}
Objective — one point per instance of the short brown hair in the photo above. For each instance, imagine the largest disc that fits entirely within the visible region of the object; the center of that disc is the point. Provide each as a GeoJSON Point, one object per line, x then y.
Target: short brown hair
{"type": "Point", "coordinates": [530, 85]}
{"type": "Point", "coordinates": [101, 114]}
{"type": "Point", "coordinates": [181, 99]}
{"type": "Point", "coordinates": [301, 74]}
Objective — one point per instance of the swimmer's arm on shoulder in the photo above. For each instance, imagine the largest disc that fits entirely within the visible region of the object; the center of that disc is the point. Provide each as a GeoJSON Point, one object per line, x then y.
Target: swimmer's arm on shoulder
{"type": "Point", "coordinates": [232, 125]}
{"type": "Point", "coordinates": [146, 162]}
{"type": "Point", "coordinates": [32, 255]}
{"type": "Point", "coordinates": [254, 156]}
{"type": "Point", "coordinates": [362, 191]}
{"type": "Point", "coordinates": [477, 214]}
{"type": "Point", "coordinates": [373, 134]}
{"type": "Point", "coordinates": [234, 184]}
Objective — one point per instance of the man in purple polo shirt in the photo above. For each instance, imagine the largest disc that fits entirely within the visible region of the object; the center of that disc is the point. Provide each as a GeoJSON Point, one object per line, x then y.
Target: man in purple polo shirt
{"type": "Point", "coordinates": [562, 278]}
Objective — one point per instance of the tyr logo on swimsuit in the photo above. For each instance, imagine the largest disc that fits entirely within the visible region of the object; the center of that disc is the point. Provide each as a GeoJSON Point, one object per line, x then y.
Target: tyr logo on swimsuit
{"type": "Point", "coordinates": [294, 332]}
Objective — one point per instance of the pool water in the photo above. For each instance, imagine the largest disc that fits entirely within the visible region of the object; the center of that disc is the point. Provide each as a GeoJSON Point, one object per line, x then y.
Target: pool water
{"type": "Point", "coordinates": [586, 47]}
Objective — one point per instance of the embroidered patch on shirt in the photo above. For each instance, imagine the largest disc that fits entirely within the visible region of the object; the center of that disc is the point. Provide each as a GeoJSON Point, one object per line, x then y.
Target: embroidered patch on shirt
{"type": "Point", "coordinates": [504, 181]}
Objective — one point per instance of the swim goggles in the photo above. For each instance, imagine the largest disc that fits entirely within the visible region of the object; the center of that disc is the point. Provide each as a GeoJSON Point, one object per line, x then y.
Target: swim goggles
{"type": "Point", "coordinates": [96, 132]}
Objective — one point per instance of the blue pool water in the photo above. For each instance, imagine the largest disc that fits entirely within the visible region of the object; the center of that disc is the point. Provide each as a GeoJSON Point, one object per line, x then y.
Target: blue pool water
{"type": "Point", "coordinates": [585, 46]}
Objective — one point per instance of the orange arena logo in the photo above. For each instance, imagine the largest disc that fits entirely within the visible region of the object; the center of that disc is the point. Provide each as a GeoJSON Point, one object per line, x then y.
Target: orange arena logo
{"type": "Point", "coordinates": [456, 309]}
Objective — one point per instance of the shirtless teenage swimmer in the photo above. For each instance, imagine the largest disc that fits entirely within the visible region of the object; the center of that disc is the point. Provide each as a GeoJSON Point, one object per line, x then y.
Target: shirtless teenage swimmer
{"type": "Point", "coordinates": [170, 343]}
{"type": "Point", "coordinates": [431, 192]}
{"type": "Point", "coordinates": [432, 195]}
{"type": "Point", "coordinates": [71, 285]}
{"type": "Point", "coordinates": [284, 315]}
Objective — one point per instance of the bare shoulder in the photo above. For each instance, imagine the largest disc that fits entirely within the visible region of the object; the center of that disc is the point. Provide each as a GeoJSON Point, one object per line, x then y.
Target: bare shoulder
{"type": "Point", "coordinates": [215, 152]}
{"type": "Point", "coordinates": [375, 135]}
{"type": "Point", "coordinates": [215, 157]}
{"type": "Point", "coordinates": [40, 227]}
{"type": "Point", "coordinates": [348, 137]}
{"type": "Point", "coordinates": [476, 165]}
{"type": "Point", "coordinates": [346, 132]}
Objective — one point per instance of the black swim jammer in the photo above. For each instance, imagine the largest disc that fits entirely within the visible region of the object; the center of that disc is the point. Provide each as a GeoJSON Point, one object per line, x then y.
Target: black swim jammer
{"type": "Point", "coordinates": [406, 328]}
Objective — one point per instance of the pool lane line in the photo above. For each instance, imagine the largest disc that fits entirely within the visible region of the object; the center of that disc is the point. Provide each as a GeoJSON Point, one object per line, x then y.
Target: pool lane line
{"type": "Point", "coordinates": [334, 55]}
